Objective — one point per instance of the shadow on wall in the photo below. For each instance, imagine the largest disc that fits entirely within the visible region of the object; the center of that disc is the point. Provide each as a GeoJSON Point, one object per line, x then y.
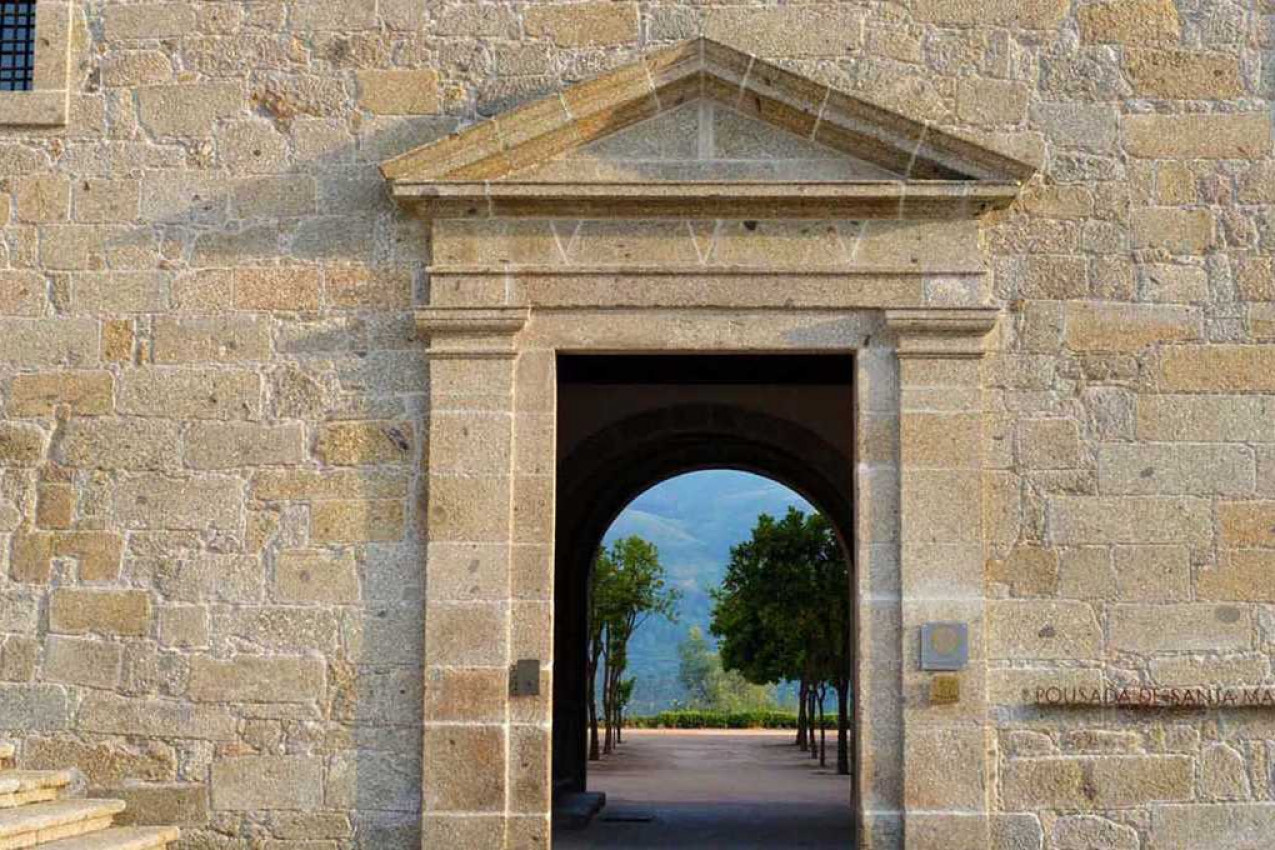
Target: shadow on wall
{"type": "Point", "coordinates": [303, 276]}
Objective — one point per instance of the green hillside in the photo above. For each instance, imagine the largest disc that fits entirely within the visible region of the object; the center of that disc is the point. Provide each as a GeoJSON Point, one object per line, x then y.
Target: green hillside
{"type": "Point", "coordinates": [693, 519]}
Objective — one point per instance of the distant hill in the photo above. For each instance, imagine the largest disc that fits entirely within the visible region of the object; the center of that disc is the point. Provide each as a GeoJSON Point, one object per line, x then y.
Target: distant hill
{"type": "Point", "coordinates": [693, 519]}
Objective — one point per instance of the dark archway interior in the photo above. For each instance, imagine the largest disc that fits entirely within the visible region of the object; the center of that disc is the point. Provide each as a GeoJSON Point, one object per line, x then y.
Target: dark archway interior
{"type": "Point", "coordinates": [628, 422]}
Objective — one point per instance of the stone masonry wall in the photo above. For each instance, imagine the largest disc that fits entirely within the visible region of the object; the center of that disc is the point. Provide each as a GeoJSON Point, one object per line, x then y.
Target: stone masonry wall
{"type": "Point", "coordinates": [212, 395]}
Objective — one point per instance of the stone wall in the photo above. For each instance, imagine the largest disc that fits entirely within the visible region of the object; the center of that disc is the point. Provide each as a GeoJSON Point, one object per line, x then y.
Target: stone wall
{"type": "Point", "coordinates": [213, 394]}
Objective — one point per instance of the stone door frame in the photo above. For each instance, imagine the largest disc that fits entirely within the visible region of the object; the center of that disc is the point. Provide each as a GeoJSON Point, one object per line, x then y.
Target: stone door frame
{"type": "Point", "coordinates": [923, 770]}
{"type": "Point", "coordinates": [911, 303]}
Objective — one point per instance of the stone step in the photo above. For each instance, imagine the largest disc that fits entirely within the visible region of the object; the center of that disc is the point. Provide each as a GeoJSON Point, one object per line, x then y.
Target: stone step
{"type": "Point", "coordinates": [120, 838]}
{"type": "Point", "coordinates": [24, 787]}
{"type": "Point", "coordinates": [27, 826]}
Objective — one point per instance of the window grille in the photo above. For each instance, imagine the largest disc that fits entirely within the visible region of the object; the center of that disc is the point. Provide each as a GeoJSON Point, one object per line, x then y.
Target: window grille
{"type": "Point", "coordinates": [17, 45]}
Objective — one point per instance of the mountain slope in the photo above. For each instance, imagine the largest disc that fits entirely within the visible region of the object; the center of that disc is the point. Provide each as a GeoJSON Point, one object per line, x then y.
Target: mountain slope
{"type": "Point", "coordinates": [693, 520]}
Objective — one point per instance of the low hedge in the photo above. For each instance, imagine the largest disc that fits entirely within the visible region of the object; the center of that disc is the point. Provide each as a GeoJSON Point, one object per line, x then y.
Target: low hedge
{"type": "Point", "coordinates": [698, 719]}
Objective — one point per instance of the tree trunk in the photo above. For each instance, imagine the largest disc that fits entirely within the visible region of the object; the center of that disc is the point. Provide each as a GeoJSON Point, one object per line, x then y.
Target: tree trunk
{"type": "Point", "coordinates": [801, 715]}
{"type": "Point", "coordinates": [843, 727]}
{"type": "Point", "coordinates": [607, 663]}
{"type": "Point", "coordinates": [591, 676]}
{"type": "Point", "coordinates": [823, 728]}
{"type": "Point", "coordinates": [810, 716]}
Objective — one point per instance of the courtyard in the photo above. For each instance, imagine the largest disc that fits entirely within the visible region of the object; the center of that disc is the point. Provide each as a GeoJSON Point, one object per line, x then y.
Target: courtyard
{"type": "Point", "coordinates": [731, 789]}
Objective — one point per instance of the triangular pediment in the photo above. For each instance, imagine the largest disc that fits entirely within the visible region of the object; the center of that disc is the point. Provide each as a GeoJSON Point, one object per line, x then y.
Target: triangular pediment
{"type": "Point", "coordinates": [702, 114]}
{"type": "Point", "coordinates": [699, 141]}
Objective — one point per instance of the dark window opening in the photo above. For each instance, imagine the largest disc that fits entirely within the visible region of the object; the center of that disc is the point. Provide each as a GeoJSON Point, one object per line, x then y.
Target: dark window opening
{"type": "Point", "coordinates": [17, 45]}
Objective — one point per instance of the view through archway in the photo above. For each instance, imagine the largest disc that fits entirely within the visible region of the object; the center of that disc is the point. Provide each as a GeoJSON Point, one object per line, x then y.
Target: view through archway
{"type": "Point", "coordinates": [720, 619]}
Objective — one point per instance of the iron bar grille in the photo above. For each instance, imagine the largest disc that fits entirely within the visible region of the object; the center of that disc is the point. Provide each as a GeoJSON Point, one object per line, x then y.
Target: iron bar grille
{"type": "Point", "coordinates": [17, 45]}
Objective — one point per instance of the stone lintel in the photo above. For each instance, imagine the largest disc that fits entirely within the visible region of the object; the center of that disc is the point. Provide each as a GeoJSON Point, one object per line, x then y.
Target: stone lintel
{"type": "Point", "coordinates": [931, 333]}
{"type": "Point", "coordinates": [920, 200]}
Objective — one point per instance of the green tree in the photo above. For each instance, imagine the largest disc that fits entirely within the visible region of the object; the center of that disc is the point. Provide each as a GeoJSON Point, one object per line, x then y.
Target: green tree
{"type": "Point", "coordinates": [627, 588]}
{"type": "Point", "coordinates": [709, 686]}
{"type": "Point", "coordinates": [695, 663]}
{"type": "Point", "coordinates": [783, 614]}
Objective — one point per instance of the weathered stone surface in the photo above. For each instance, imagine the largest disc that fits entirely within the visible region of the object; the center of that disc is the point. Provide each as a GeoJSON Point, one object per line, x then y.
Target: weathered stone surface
{"type": "Point", "coordinates": [34, 707]}
{"type": "Point", "coordinates": [194, 393]}
{"type": "Point", "coordinates": [1021, 629]}
{"type": "Point", "coordinates": [118, 443]}
{"type": "Point", "coordinates": [189, 502]}
{"type": "Point", "coordinates": [399, 92]}
{"type": "Point", "coordinates": [591, 23]}
{"type": "Point", "coordinates": [1223, 775]}
{"type": "Point", "coordinates": [474, 759]}
{"type": "Point", "coordinates": [249, 678]}
{"type": "Point", "coordinates": [110, 612]}
{"type": "Point", "coordinates": [76, 661]}
{"type": "Point", "coordinates": [1239, 575]}
{"type": "Point", "coordinates": [1179, 672]}
{"type": "Point", "coordinates": [1130, 22]}
{"type": "Point", "coordinates": [1089, 832]}
{"type": "Point", "coordinates": [233, 445]}
{"type": "Point", "coordinates": [1028, 570]}
{"type": "Point", "coordinates": [290, 289]}
{"type": "Point", "coordinates": [306, 485]}
{"type": "Point", "coordinates": [102, 764]}
{"type": "Point", "coordinates": [1034, 14]}
{"type": "Point", "coordinates": [1237, 136]}
{"type": "Point", "coordinates": [1097, 783]}
{"type": "Point", "coordinates": [187, 110]}
{"type": "Point", "coordinates": [1178, 231]}
{"type": "Point", "coordinates": [359, 443]}
{"type": "Point", "coordinates": [1227, 826]}
{"type": "Point", "coordinates": [170, 804]}
{"type": "Point", "coordinates": [1050, 444]}
{"type": "Point", "coordinates": [267, 782]}
{"type": "Point", "coordinates": [1247, 524]}
{"type": "Point", "coordinates": [1206, 419]}
{"type": "Point", "coordinates": [22, 293]}
{"type": "Point", "coordinates": [1129, 519]}
{"type": "Point", "coordinates": [1128, 327]}
{"type": "Point", "coordinates": [1179, 628]}
{"type": "Point", "coordinates": [21, 445]}
{"type": "Point", "coordinates": [212, 340]}
{"type": "Point", "coordinates": [349, 521]}
{"type": "Point", "coordinates": [1218, 368]}
{"type": "Point", "coordinates": [316, 576]}
{"type": "Point", "coordinates": [48, 342]}
{"type": "Point", "coordinates": [1168, 469]}
{"type": "Point", "coordinates": [832, 30]}
{"type": "Point", "coordinates": [1153, 573]}
{"type": "Point", "coordinates": [82, 393]}
{"type": "Point", "coordinates": [1183, 75]}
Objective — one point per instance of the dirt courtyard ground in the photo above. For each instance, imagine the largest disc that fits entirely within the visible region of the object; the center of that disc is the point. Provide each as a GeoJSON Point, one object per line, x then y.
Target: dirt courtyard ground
{"type": "Point", "coordinates": [716, 789]}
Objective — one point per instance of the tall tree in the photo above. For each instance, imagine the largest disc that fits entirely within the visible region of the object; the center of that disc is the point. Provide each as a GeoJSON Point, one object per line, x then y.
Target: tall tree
{"type": "Point", "coordinates": [628, 587]}
{"type": "Point", "coordinates": [783, 614]}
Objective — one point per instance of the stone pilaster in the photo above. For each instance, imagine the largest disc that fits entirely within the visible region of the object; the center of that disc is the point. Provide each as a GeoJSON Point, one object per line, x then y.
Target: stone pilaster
{"type": "Point", "coordinates": [946, 760]}
{"type": "Point", "coordinates": [469, 618]}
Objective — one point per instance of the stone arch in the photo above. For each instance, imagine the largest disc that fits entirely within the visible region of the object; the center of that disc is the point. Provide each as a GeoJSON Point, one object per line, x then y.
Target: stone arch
{"type": "Point", "coordinates": [609, 469]}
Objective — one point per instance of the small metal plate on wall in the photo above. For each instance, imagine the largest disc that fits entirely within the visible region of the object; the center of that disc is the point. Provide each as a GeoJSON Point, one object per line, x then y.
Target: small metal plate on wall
{"type": "Point", "coordinates": [525, 678]}
{"type": "Point", "coordinates": [945, 646]}
{"type": "Point", "coordinates": [945, 689]}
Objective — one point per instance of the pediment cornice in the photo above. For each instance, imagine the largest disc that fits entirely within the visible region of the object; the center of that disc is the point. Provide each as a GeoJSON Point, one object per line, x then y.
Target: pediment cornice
{"type": "Point", "coordinates": [475, 172]}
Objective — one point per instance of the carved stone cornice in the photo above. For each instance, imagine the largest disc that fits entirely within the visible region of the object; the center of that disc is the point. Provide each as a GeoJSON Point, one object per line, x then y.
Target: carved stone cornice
{"type": "Point", "coordinates": [942, 333]}
{"type": "Point", "coordinates": [937, 199]}
{"type": "Point", "coordinates": [473, 332]}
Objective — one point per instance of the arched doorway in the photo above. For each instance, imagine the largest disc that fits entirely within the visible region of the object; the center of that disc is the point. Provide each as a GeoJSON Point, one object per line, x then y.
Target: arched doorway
{"type": "Point", "coordinates": [627, 423]}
